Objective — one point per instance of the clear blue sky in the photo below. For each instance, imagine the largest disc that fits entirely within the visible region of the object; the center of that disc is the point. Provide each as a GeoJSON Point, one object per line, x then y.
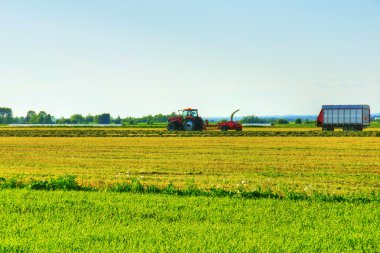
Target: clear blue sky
{"type": "Point", "coordinates": [147, 57]}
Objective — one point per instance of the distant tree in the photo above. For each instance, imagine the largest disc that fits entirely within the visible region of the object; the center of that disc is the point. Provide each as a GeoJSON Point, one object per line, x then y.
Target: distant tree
{"type": "Point", "coordinates": [129, 121]}
{"type": "Point", "coordinates": [49, 119]}
{"type": "Point", "coordinates": [89, 119]}
{"type": "Point", "coordinates": [298, 121]}
{"type": "Point", "coordinates": [77, 119]}
{"type": "Point", "coordinates": [307, 121]}
{"type": "Point", "coordinates": [6, 115]}
{"type": "Point", "coordinates": [253, 119]}
{"type": "Point", "coordinates": [104, 118]}
{"type": "Point", "coordinates": [31, 117]}
{"type": "Point", "coordinates": [282, 121]}
{"type": "Point", "coordinates": [18, 120]}
{"type": "Point", "coordinates": [63, 121]}
{"type": "Point", "coordinates": [150, 121]}
{"type": "Point", "coordinates": [117, 120]}
{"type": "Point", "coordinates": [41, 117]}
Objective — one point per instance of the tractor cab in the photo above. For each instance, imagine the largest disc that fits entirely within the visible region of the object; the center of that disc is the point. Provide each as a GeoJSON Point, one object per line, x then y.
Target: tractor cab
{"type": "Point", "coordinates": [192, 113]}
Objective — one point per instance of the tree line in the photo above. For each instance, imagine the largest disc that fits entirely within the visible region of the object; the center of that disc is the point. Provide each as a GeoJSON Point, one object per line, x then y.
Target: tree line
{"type": "Point", "coordinates": [255, 119]}
{"type": "Point", "coordinates": [32, 117]}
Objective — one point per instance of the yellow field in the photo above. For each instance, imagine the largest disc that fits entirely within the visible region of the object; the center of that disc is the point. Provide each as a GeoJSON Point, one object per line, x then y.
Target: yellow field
{"type": "Point", "coordinates": [336, 165]}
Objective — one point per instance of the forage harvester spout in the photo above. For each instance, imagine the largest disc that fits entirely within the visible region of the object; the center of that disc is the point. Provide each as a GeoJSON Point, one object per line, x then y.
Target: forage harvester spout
{"type": "Point", "coordinates": [232, 115]}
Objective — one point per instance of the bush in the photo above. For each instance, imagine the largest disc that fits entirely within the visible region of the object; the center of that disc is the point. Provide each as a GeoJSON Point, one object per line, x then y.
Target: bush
{"type": "Point", "coordinates": [282, 121]}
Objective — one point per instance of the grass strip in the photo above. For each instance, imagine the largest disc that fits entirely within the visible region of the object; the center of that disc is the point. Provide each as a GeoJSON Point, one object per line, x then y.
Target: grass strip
{"type": "Point", "coordinates": [69, 183]}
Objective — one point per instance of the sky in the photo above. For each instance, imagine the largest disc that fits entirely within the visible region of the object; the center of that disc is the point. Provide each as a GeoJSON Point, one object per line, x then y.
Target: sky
{"type": "Point", "coordinates": [134, 58]}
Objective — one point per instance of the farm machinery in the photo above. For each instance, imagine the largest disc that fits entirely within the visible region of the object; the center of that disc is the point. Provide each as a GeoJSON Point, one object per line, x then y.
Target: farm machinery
{"type": "Point", "coordinates": [189, 120]}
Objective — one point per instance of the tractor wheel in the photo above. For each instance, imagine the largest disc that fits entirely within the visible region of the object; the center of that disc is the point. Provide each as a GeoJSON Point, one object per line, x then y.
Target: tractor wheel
{"type": "Point", "coordinates": [172, 126]}
{"type": "Point", "coordinates": [189, 125]}
{"type": "Point", "coordinates": [224, 128]}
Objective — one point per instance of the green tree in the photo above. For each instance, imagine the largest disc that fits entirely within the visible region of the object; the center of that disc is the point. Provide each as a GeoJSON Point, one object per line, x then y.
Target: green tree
{"type": "Point", "coordinates": [31, 117]}
{"type": "Point", "coordinates": [298, 121]}
{"type": "Point", "coordinates": [117, 120]}
{"type": "Point", "coordinates": [282, 121]}
{"type": "Point", "coordinates": [104, 118]}
{"type": "Point", "coordinates": [41, 117]}
{"type": "Point", "coordinates": [6, 115]}
{"type": "Point", "coordinates": [89, 119]}
{"type": "Point", "coordinates": [63, 120]}
{"type": "Point", "coordinates": [77, 119]}
{"type": "Point", "coordinates": [307, 121]}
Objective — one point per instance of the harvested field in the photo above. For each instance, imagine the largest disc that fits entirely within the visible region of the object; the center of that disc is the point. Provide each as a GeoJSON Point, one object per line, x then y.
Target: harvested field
{"type": "Point", "coordinates": [333, 165]}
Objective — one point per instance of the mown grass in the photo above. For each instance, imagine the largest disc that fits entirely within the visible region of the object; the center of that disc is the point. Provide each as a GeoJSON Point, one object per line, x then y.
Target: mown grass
{"type": "Point", "coordinates": [327, 165]}
{"type": "Point", "coordinates": [67, 221]}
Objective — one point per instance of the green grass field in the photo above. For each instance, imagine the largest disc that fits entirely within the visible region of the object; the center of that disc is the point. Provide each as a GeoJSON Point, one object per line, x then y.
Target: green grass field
{"type": "Point", "coordinates": [119, 222]}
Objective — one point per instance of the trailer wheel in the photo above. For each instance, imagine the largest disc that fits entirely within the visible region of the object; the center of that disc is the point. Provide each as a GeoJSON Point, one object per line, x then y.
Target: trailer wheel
{"type": "Point", "coordinates": [224, 128]}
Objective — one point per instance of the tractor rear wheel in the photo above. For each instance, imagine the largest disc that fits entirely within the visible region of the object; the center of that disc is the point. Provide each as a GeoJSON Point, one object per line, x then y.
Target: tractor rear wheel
{"type": "Point", "coordinates": [189, 125]}
{"type": "Point", "coordinates": [172, 126]}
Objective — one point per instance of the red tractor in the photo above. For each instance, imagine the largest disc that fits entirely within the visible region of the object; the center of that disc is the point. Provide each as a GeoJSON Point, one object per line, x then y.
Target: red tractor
{"type": "Point", "coordinates": [190, 121]}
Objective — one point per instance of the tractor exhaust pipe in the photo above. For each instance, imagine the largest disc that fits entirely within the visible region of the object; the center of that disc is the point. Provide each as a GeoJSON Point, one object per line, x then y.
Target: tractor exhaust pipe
{"type": "Point", "coordinates": [232, 115]}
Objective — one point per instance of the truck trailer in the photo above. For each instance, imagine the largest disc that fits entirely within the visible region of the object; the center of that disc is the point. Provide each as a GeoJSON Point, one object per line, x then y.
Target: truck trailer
{"type": "Point", "coordinates": [347, 117]}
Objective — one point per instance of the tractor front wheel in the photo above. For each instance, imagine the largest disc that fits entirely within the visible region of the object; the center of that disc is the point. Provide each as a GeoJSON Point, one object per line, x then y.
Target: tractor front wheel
{"type": "Point", "coordinates": [172, 126]}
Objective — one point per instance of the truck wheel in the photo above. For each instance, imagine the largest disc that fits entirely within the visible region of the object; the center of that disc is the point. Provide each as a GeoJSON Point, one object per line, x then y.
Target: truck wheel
{"type": "Point", "coordinates": [189, 125]}
{"type": "Point", "coordinates": [224, 128]}
{"type": "Point", "coordinates": [172, 127]}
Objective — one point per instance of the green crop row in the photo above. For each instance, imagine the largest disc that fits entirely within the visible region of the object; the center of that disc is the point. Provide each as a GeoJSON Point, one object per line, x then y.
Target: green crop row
{"type": "Point", "coordinates": [164, 133]}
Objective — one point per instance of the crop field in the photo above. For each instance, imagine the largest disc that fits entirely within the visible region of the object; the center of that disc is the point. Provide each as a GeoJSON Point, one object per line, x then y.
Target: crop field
{"type": "Point", "coordinates": [334, 165]}
{"type": "Point", "coordinates": [152, 192]}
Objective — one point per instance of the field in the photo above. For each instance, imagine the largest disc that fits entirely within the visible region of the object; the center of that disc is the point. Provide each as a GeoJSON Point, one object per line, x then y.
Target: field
{"type": "Point", "coordinates": [118, 222]}
{"type": "Point", "coordinates": [283, 192]}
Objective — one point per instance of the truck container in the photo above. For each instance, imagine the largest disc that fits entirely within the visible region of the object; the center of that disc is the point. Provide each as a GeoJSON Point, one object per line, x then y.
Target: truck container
{"type": "Point", "coordinates": [347, 117]}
